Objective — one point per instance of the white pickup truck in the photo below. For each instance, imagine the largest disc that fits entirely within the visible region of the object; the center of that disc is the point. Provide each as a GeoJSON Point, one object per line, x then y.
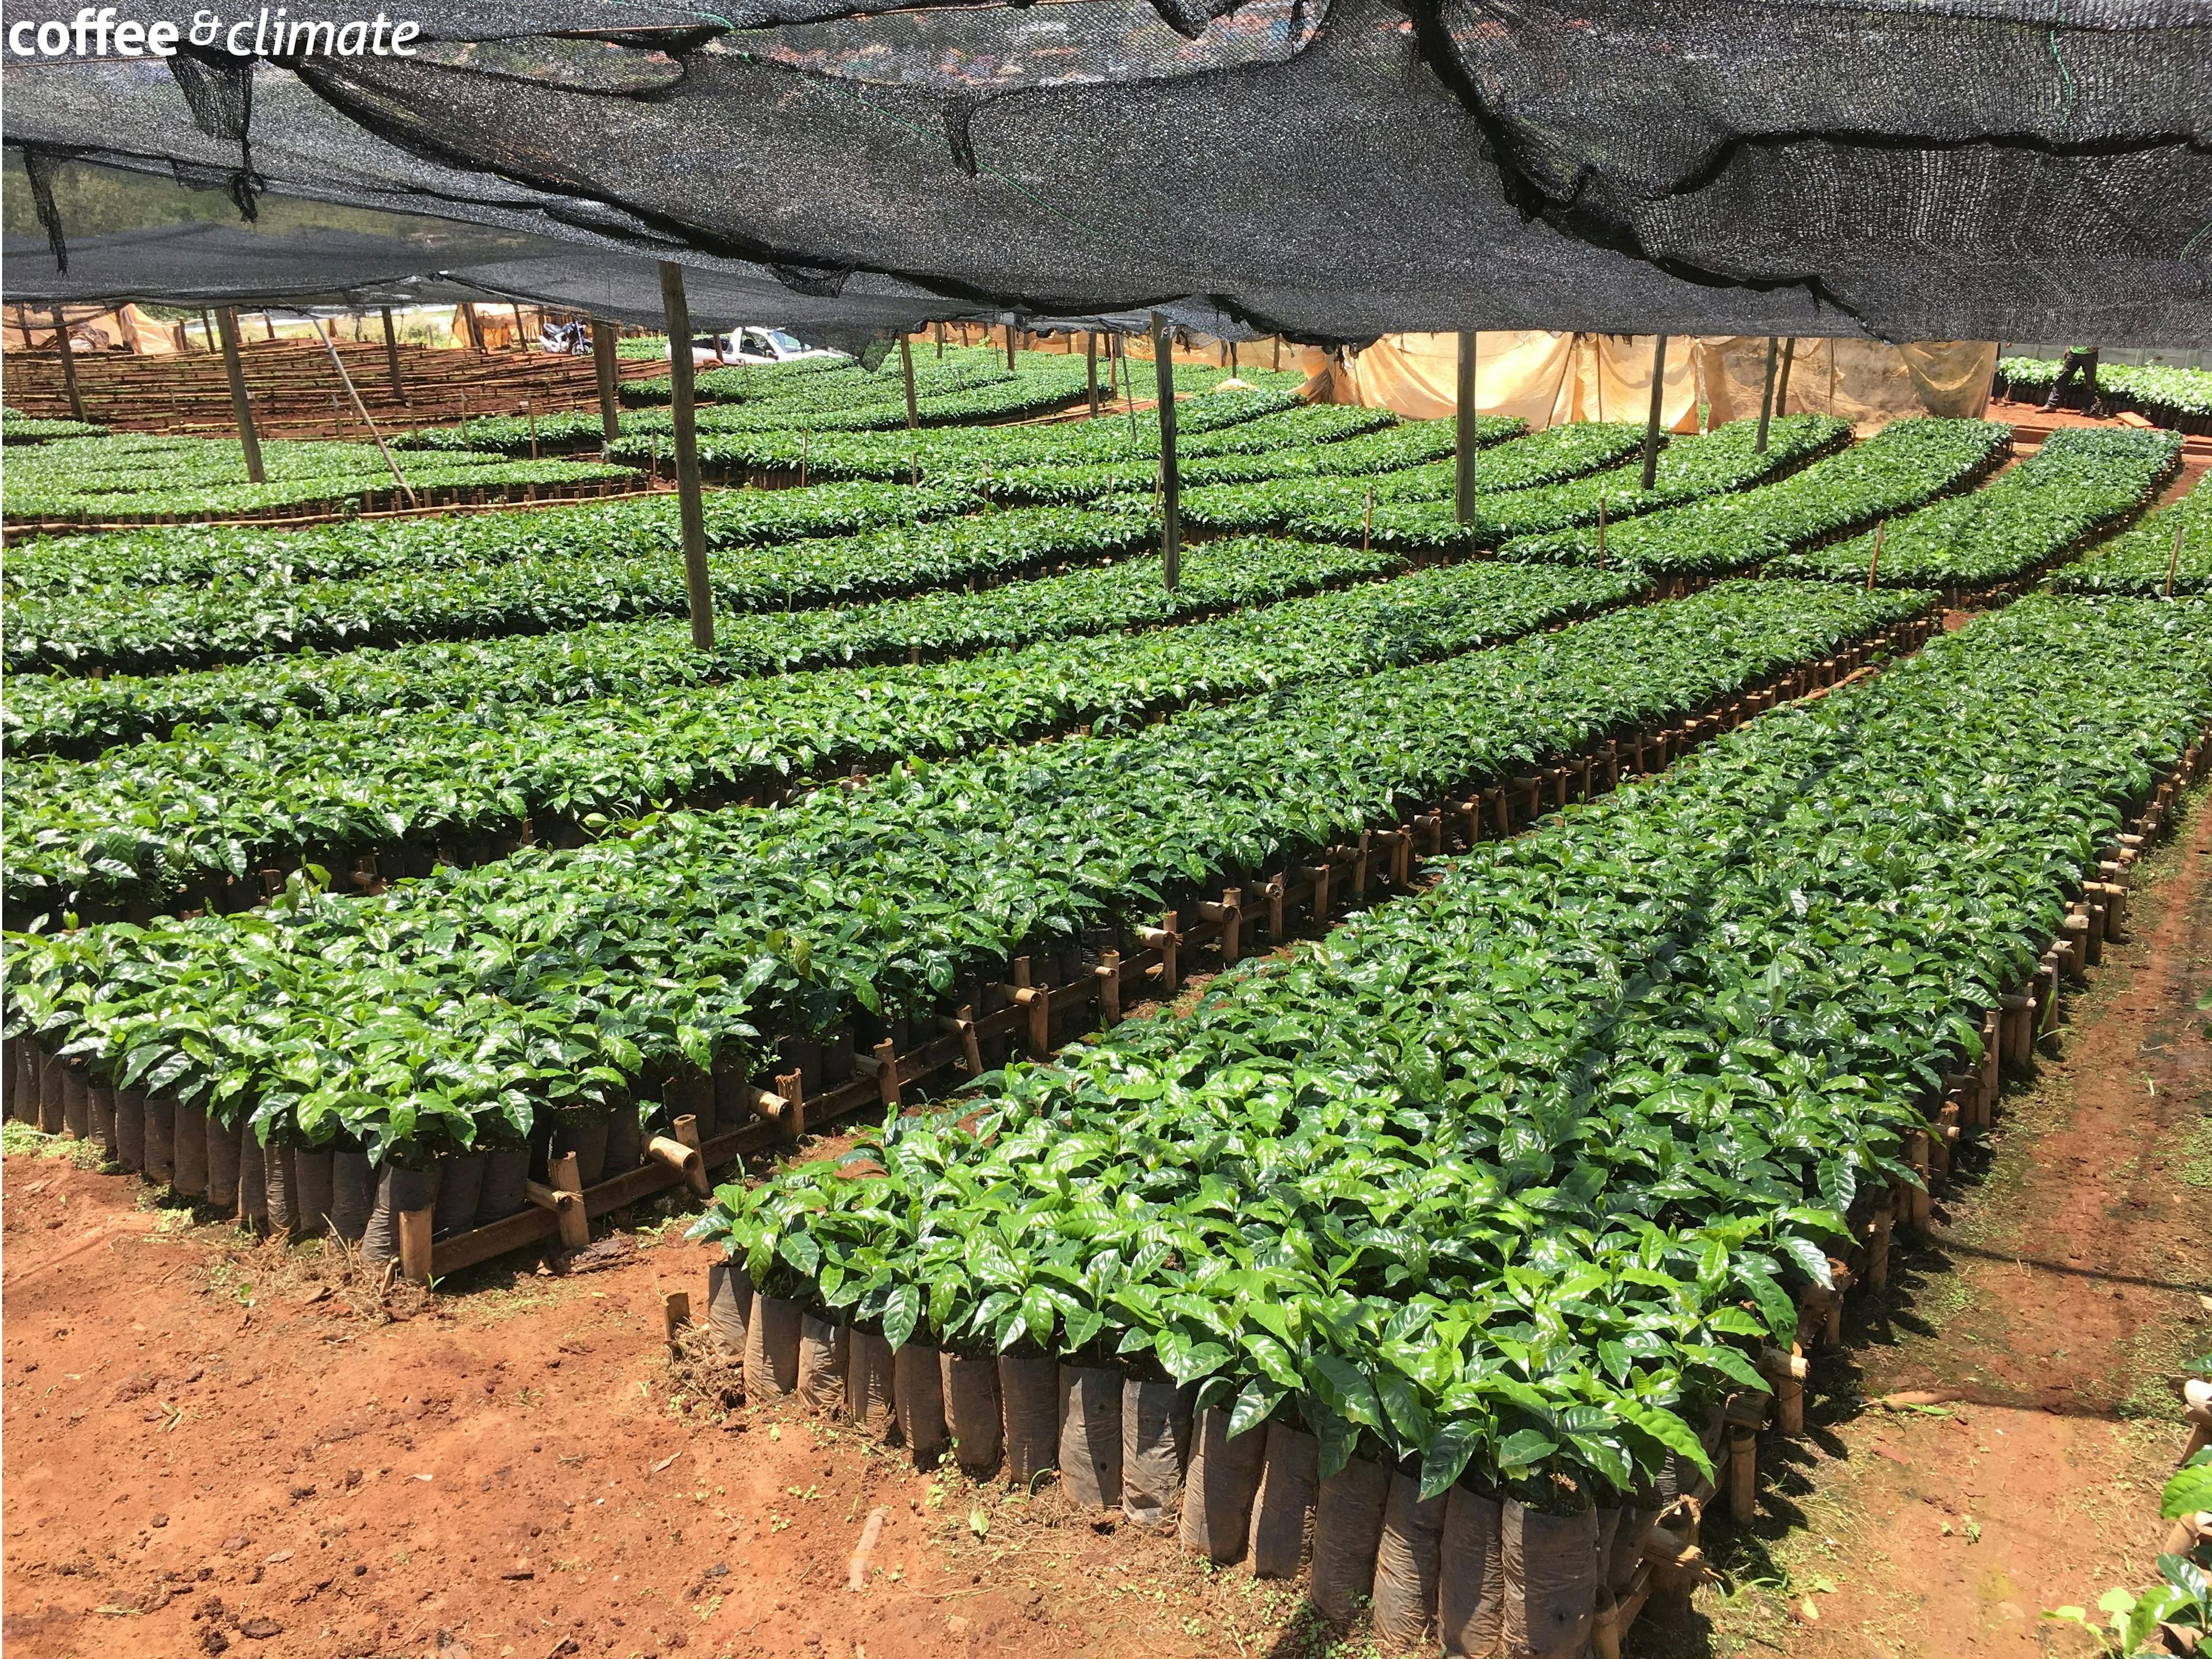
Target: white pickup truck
{"type": "Point", "coordinates": [749, 346]}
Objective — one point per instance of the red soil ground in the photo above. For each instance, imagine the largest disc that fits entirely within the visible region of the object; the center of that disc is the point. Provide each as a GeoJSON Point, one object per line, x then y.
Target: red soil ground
{"type": "Point", "coordinates": [212, 1445]}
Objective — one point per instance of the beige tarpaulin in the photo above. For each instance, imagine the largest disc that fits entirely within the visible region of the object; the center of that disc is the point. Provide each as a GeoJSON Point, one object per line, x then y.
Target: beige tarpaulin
{"type": "Point", "coordinates": [94, 328]}
{"type": "Point", "coordinates": [1545, 379]}
{"type": "Point", "coordinates": [1865, 382]}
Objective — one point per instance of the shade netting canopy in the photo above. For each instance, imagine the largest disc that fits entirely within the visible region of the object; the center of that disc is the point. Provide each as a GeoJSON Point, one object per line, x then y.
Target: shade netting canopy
{"type": "Point", "coordinates": [1327, 169]}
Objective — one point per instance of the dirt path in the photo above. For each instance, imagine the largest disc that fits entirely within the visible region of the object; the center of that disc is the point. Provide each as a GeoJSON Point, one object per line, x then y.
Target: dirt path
{"type": "Point", "coordinates": [2040, 1338]}
{"type": "Point", "coordinates": [207, 1447]}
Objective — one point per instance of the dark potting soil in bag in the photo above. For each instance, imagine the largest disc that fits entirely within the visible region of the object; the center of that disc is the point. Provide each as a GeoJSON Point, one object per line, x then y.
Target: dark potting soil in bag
{"type": "Point", "coordinates": [870, 1389]}
{"type": "Point", "coordinates": [918, 1398]}
{"type": "Point", "coordinates": [1347, 1528]}
{"type": "Point", "coordinates": [160, 1138]}
{"type": "Point", "coordinates": [278, 1178]}
{"type": "Point", "coordinates": [460, 1187]}
{"type": "Point", "coordinates": [971, 1412]}
{"type": "Point", "coordinates": [729, 1306]}
{"type": "Point", "coordinates": [224, 1147]}
{"type": "Point", "coordinates": [1155, 1442]}
{"type": "Point", "coordinates": [131, 1128]}
{"type": "Point", "coordinates": [824, 1349]}
{"type": "Point", "coordinates": [771, 1348]}
{"type": "Point", "coordinates": [101, 1100]}
{"type": "Point", "coordinates": [625, 1140]}
{"type": "Point", "coordinates": [399, 1192]}
{"type": "Point", "coordinates": [1550, 1582]}
{"type": "Point", "coordinates": [77, 1110]}
{"type": "Point", "coordinates": [1090, 1435]}
{"type": "Point", "coordinates": [690, 1093]}
{"type": "Point", "coordinates": [313, 1190]}
{"type": "Point", "coordinates": [1472, 1595]}
{"type": "Point", "coordinates": [1217, 1499]}
{"type": "Point", "coordinates": [253, 1182]}
{"type": "Point", "coordinates": [1029, 1394]}
{"type": "Point", "coordinates": [189, 1151]}
{"type": "Point", "coordinates": [352, 1194]}
{"type": "Point", "coordinates": [1407, 1564]}
{"type": "Point", "coordinates": [52, 1119]}
{"type": "Point", "coordinates": [1629, 1538]}
{"type": "Point", "coordinates": [505, 1175]}
{"type": "Point", "coordinates": [1282, 1510]}
{"type": "Point", "coordinates": [585, 1134]}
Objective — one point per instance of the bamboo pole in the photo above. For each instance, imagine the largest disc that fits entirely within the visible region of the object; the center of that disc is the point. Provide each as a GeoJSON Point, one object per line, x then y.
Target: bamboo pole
{"type": "Point", "coordinates": [1170, 482]}
{"type": "Point", "coordinates": [362, 410]}
{"type": "Point", "coordinates": [69, 368]}
{"type": "Point", "coordinates": [603, 365]}
{"type": "Point", "coordinates": [1766, 397]}
{"type": "Point", "coordinates": [1463, 478]}
{"type": "Point", "coordinates": [677, 312]}
{"type": "Point", "coordinates": [1651, 427]}
{"type": "Point", "coordinates": [1091, 367]}
{"type": "Point", "coordinates": [241, 407]}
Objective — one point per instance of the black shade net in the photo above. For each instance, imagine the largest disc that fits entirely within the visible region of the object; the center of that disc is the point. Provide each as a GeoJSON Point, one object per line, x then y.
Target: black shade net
{"type": "Point", "coordinates": [1327, 169]}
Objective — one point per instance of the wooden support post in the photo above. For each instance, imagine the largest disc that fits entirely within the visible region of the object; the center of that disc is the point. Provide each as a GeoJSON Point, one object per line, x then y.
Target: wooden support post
{"type": "Point", "coordinates": [1109, 989]}
{"type": "Point", "coordinates": [962, 1025]}
{"type": "Point", "coordinates": [887, 1077]}
{"type": "Point", "coordinates": [565, 1198]}
{"type": "Point", "coordinates": [468, 315]}
{"type": "Point", "coordinates": [937, 329]}
{"type": "Point", "coordinates": [1036, 1001]}
{"type": "Point", "coordinates": [675, 1315]}
{"type": "Point", "coordinates": [1782, 386]}
{"type": "Point", "coordinates": [392, 356]}
{"type": "Point", "coordinates": [1878, 1232]}
{"type": "Point", "coordinates": [1786, 1373]}
{"type": "Point", "coordinates": [1165, 939]}
{"type": "Point", "coordinates": [605, 366]}
{"type": "Point", "coordinates": [1089, 367]}
{"type": "Point", "coordinates": [240, 408]}
{"type": "Point", "coordinates": [1874, 562]}
{"type": "Point", "coordinates": [697, 589]}
{"type": "Point", "coordinates": [905, 368]}
{"type": "Point", "coordinates": [1651, 426]}
{"type": "Point", "coordinates": [2173, 560]}
{"type": "Point", "coordinates": [1766, 397]}
{"type": "Point", "coordinates": [1010, 343]}
{"type": "Point", "coordinates": [69, 367]}
{"type": "Point", "coordinates": [414, 1245]}
{"type": "Point", "coordinates": [1743, 1475]}
{"type": "Point", "coordinates": [1170, 475]}
{"type": "Point", "coordinates": [1463, 453]}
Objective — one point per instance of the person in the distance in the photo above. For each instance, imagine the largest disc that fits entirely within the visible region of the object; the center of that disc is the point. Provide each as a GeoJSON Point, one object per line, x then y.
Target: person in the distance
{"type": "Point", "coordinates": [2082, 361]}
